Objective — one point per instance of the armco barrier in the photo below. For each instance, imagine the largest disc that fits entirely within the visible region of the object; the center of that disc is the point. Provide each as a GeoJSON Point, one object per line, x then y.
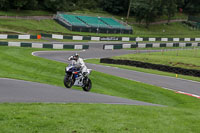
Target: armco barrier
{"type": "Point", "coordinates": [96, 38]}
{"type": "Point", "coordinates": [4, 36]}
{"type": "Point", "coordinates": [165, 68]}
{"type": "Point", "coordinates": [44, 45]}
{"type": "Point", "coordinates": [149, 45]}
{"type": "Point", "coordinates": [138, 39]}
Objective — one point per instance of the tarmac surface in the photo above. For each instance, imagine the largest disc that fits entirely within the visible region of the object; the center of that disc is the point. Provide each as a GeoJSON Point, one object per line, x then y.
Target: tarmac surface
{"type": "Point", "coordinates": [17, 91]}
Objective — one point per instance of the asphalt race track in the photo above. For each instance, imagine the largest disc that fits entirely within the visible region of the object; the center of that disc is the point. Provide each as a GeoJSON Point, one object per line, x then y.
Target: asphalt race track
{"type": "Point", "coordinates": [161, 81]}
{"type": "Point", "coordinates": [12, 90]}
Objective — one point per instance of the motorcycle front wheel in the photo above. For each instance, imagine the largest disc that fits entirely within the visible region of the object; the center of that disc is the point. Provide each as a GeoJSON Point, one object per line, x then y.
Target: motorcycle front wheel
{"type": "Point", "coordinates": [68, 82]}
{"type": "Point", "coordinates": [87, 87]}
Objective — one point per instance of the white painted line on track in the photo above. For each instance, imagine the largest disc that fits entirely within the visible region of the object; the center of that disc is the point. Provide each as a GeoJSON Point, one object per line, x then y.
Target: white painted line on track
{"type": "Point", "coordinates": [33, 53]}
{"type": "Point", "coordinates": [153, 74]}
{"type": "Point", "coordinates": [189, 94]}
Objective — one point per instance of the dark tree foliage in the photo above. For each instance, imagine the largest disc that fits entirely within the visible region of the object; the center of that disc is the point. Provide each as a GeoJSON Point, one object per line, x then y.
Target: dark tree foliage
{"type": "Point", "coordinates": [58, 5]}
{"type": "Point", "coordinates": [192, 6]}
{"type": "Point", "coordinates": [115, 6]}
{"type": "Point", "coordinates": [4, 4]}
{"type": "Point", "coordinates": [147, 10]}
{"type": "Point", "coordinates": [18, 4]}
{"type": "Point", "coordinates": [31, 5]}
{"type": "Point", "coordinates": [87, 4]}
{"type": "Point", "coordinates": [169, 8]}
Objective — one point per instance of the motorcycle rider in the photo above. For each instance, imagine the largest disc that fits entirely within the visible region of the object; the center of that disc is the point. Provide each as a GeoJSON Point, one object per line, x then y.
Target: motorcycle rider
{"type": "Point", "coordinates": [79, 62]}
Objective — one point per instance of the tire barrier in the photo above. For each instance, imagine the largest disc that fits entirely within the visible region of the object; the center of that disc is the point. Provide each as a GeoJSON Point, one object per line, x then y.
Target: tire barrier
{"type": "Point", "coordinates": [44, 45]}
{"type": "Point", "coordinates": [176, 70]}
{"type": "Point", "coordinates": [137, 39]}
{"type": "Point", "coordinates": [150, 45]}
{"type": "Point", "coordinates": [4, 36]}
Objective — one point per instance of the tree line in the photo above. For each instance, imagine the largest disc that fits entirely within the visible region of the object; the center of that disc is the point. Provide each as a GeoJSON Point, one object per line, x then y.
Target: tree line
{"type": "Point", "coordinates": [143, 10]}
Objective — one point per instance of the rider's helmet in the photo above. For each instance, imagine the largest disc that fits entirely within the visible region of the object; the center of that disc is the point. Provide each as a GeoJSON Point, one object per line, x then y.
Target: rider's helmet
{"type": "Point", "coordinates": [76, 56]}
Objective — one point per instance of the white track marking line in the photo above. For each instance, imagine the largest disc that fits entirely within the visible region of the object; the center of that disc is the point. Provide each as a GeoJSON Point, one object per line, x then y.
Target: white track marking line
{"type": "Point", "coordinates": [33, 53]}
{"type": "Point", "coordinates": [189, 94]}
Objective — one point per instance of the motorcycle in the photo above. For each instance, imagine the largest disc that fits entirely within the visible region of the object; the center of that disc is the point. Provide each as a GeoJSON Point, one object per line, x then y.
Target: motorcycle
{"type": "Point", "coordinates": [74, 77]}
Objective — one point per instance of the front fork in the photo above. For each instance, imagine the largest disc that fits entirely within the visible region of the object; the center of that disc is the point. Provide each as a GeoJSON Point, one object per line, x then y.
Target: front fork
{"type": "Point", "coordinates": [70, 77]}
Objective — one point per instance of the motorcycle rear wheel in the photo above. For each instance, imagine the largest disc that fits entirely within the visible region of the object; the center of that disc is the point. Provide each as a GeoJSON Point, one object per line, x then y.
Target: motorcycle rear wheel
{"type": "Point", "coordinates": [67, 82]}
{"type": "Point", "coordinates": [88, 85]}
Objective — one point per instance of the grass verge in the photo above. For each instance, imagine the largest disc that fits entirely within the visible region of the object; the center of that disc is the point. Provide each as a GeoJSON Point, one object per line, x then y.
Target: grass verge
{"type": "Point", "coordinates": [184, 58]}
{"type": "Point", "coordinates": [50, 26]}
{"type": "Point", "coordinates": [25, 13]}
{"type": "Point", "coordinates": [181, 115]}
{"type": "Point", "coordinates": [76, 118]}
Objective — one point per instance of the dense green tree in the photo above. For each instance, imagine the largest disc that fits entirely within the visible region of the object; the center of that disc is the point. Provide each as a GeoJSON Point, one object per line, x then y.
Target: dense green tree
{"type": "Point", "coordinates": [31, 5]}
{"type": "Point", "coordinates": [18, 4]}
{"type": "Point", "coordinates": [169, 8]}
{"type": "Point", "coordinates": [144, 10]}
{"type": "Point", "coordinates": [115, 6]}
{"type": "Point", "coordinates": [192, 6]}
{"type": "Point", "coordinates": [4, 5]}
{"type": "Point", "coordinates": [59, 5]}
{"type": "Point", "coordinates": [87, 4]}
{"type": "Point", "coordinates": [147, 10]}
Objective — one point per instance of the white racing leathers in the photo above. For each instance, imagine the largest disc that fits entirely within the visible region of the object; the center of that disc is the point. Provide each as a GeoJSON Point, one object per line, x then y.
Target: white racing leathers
{"type": "Point", "coordinates": [80, 63]}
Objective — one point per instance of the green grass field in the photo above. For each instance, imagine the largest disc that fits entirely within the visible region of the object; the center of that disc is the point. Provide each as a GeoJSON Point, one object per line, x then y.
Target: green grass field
{"type": "Point", "coordinates": [97, 118]}
{"type": "Point", "coordinates": [186, 58]}
{"type": "Point", "coordinates": [50, 26]}
{"type": "Point", "coordinates": [25, 13]}
{"type": "Point", "coordinates": [180, 115]}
